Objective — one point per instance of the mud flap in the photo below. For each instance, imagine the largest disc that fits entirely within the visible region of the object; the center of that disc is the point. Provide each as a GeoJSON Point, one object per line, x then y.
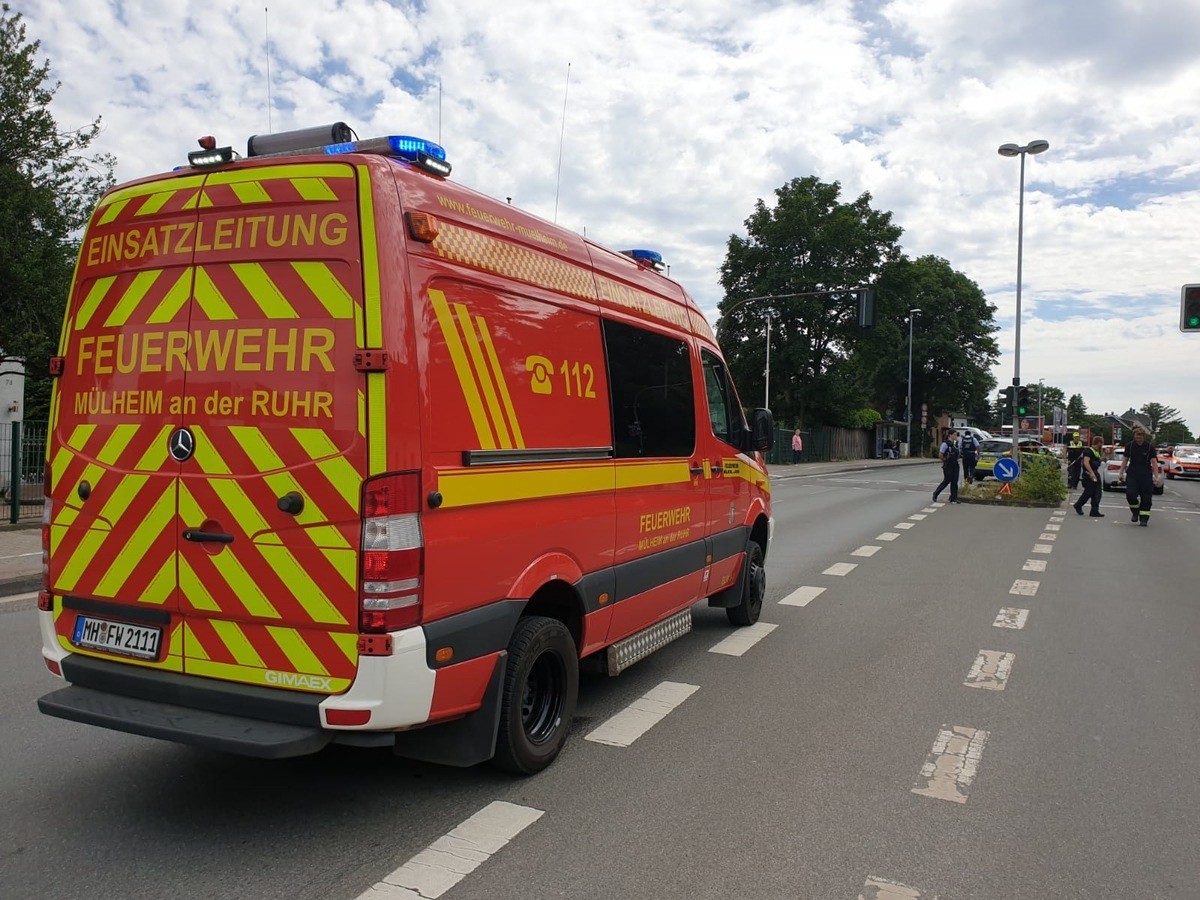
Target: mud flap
{"type": "Point", "coordinates": [464, 742]}
{"type": "Point", "coordinates": [732, 595]}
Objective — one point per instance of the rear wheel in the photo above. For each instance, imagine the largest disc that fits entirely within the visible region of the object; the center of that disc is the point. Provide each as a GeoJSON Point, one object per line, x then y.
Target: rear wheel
{"type": "Point", "coordinates": [754, 589]}
{"type": "Point", "coordinates": [541, 685]}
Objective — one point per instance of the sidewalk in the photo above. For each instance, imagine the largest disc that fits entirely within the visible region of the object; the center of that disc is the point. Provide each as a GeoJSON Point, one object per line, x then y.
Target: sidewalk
{"type": "Point", "coordinates": [21, 545]}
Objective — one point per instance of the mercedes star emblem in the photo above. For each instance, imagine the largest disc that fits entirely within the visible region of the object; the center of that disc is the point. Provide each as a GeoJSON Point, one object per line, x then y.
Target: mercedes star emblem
{"type": "Point", "coordinates": [182, 445]}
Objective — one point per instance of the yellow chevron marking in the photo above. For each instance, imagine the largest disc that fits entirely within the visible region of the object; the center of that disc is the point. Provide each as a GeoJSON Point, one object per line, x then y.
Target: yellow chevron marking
{"type": "Point", "coordinates": [338, 470]}
{"type": "Point", "coordinates": [194, 592]}
{"type": "Point", "coordinates": [159, 590]}
{"type": "Point", "coordinates": [468, 488]}
{"type": "Point", "coordinates": [314, 189]}
{"type": "Point", "coordinates": [243, 587]}
{"type": "Point", "coordinates": [636, 475]}
{"type": "Point", "coordinates": [306, 592]}
{"type": "Point", "coordinates": [498, 374]}
{"type": "Point", "coordinates": [281, 173]}
{"type": "Point", "coordinates": [481, 372]}
{"type": "Point", "coordinates": [169, 188]}
{"type": "Point", "coordinates": [192, 647]}
{"type": "Point", "coordinates": [346, 564]}
{"type": "Point", "coordinates": [193, 201]}
{"type": "Point", "coordinates": [463, 369]}
{"type": "Point", "coordinates": [113, 210]}
{"type": "Point", "coordinates": [299, 654]}
{"type": "Point", "coordinates": [156, 454]}
{"type": "Point", "coordinates": [236, 643]}
{"type": "Point", "coordinates": [116, 443]}
{"type": "Point", "coordinates": [372, 301]}
{"type": "Point", "coordinates": [347, 643]}
{"type": "Point", "coordinates": [256, 446]}
{"type": "Point", "coordinates": [133, 296]}
{"type": "Point", "coordinates": [326, 288]}
{"type": "Point", "coordinates": [134, 552]}
{"type": "Point", "coordinates": [207, 458]}
{"type": "Point", "coordinates": [252, 675]}
{"type": "Point", "coordinates": [80, 435]}
{"type": "Point", "coordinates": [154, 203]}
{"type": "Point", "coordinates": [58, 465]}
{"type": "Point", "coordinates": [263, 291]}
{"type": "Point", "coordinates": [92, 301]}
{"type": "Point", "coordinates": [311, 518]}
{"type": "Point", "coordinates": [209, 298]}
{"type": "Point", "coordinates": [174, 301]}
{"type": "Point", "coordinates": [251, 192]}
{"type": "Point", "coordinates": [80, 559]}
{"type": "Point", "coordinates": [64, 515]}
{"type": "Point", "coordinates": [377, 419]}
{"type": "Point", "coordinates": [362, 414]}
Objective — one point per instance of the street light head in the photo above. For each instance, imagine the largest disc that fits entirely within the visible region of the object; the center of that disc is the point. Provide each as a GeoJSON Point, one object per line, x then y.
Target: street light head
{"type": "Point", "coordinates": [1038, 146]}
{"type": "Point", "coordinates": [913, 312]}
{"type": "Point", "coordinates": [1009, 150]}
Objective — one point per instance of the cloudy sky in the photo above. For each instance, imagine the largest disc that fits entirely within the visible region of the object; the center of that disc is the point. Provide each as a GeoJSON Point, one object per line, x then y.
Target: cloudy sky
{"type": "Point", "coordinates": [680, 114]}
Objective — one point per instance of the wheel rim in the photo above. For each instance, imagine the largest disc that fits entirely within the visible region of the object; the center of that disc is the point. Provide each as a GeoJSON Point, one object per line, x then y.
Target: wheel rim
{"type": "Point", "coordinates": [543, 698]}
{"type": "Point", "coordinates": [758, 582]}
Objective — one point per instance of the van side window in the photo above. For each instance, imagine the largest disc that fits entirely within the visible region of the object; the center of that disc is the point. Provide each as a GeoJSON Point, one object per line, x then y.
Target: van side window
{"type": "Point", "coordinates": [722, 410]}
{"type": "Point", "coordinates": [653, 400]}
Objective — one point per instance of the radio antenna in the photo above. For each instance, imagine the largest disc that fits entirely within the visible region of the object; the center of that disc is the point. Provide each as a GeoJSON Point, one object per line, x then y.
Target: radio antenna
{"type": "Point", "coordinates": [561, 135]}
{"type": "Point", "coordinates": [267, 39]}
{"type": "Point", "coordinates": [439, 109]}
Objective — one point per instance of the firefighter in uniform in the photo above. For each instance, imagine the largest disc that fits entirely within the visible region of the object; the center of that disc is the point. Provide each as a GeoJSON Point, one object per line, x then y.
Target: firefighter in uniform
{"type": "Point", "coordinates": [1074, 461]}
{"type": "Point", "coordinates": [1139, 468]}
{"type": "Point", "coordinates": [1090, 462]}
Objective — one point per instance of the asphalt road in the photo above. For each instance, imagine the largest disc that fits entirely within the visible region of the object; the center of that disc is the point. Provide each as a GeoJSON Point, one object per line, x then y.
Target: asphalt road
{"type": "Point", "coordinates": [788, 771]}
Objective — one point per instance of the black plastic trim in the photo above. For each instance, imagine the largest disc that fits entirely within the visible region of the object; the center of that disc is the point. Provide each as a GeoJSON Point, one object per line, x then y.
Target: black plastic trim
{"type": "Point", "coordinates": [194, 691]}
{"type": "Point", "coordinates": [729, 543]}
{"type": "Point", "coordinates": [595, 584]}
{"type": "Point", "coordinates": [150, 615]}
{"type": "Point", "coordinates": [641, 575]}
{"type": "Point", "coordinates": [474, 633]}
{"type": "Point", "coordinates": [510, 457]}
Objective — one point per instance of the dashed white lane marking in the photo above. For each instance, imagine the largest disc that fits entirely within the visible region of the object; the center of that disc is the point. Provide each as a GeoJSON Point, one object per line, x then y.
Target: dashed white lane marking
{"type": "Point", "coordinates": [1054, 528]}
{"type": "Point", "coordinates": [1011, 617]}
{"type": "Point", "coordinates": [952, 764]}
{"type": "Point", "coordinates": [887, 536]}
{"type": "Point", "coordinates": [1047, 536]}
{"type": "Point", "coordinates": [1034, 565]}
{"type": "Point", "coordinates": [866, 550]}
{"type": "Point", "coordinates": [882, 889]}
{"type": "Point", "coordinates": [938, 504]}
{"type": "Point", "coordinates": [452, 857]}
{"type": "Point", "coordinates": [991, 670]}
{"type": "Point", "coordinates": [917, 517]}
{"type": "Point", "coordinates": [642, 714]}
{"type": "Point", "coordinates": [802, 596]}
{"type": "Point", "coordinates": [840, 569]}
{"type": "Point", "coordinates": [742, 639]}
{"type": "Point", "coordinates": [1043, 548]}
{"type": "Point", "coordinates": [904, 526]}
{"type": "Point", "coordinates": [1024, 588]}
{"type": "Point", "coordinates": [22, 555]}
{"type": "Point", "coordinates": [932, 509]}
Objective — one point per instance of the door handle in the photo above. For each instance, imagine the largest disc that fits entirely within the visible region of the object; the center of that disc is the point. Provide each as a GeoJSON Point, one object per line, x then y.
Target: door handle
{"type": "Point", "coordinates": [697, 470]}
{"type": "Point", "coordinates": [209, 537]}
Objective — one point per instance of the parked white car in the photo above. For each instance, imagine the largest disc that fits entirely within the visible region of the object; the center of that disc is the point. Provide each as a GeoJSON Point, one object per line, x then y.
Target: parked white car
{"type": "Point", "coordinates": [1110, 473]}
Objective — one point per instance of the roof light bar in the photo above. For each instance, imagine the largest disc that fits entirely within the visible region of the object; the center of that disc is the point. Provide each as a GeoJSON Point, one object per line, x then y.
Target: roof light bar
{"type": "Point", "coordinates": [202, 159]}
{"type": "Point", "coordinates": [650, 258]}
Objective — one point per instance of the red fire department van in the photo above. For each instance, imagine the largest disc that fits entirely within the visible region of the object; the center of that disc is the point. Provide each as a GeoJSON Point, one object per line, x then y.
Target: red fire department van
{"type": "Point", "coordinates": [343, 451]}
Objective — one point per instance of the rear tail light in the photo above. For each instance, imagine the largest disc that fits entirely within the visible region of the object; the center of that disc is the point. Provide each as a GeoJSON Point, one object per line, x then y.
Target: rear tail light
{"type": "Point", "coordinates": [393, 553]}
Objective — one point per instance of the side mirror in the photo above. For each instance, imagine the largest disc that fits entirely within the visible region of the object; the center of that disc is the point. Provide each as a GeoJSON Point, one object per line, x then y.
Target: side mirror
{"type": "Point", "coordinates": [762, 430]}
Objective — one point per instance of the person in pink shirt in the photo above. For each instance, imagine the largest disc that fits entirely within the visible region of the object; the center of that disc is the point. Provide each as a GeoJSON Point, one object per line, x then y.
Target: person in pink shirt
{"type": "Point", "coordinates": [797, 446]}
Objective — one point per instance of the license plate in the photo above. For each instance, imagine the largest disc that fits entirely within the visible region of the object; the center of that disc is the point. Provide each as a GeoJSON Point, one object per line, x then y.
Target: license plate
{"type": "Point", "coordinates": [140, 641]}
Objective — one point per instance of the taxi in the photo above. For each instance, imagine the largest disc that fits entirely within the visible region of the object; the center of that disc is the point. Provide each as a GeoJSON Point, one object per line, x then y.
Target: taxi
{"type": "Point", "coordinates": [994, 448]}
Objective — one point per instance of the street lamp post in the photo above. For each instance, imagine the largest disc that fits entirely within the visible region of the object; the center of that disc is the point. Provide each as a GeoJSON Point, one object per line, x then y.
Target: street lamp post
{"type": "Point", "coordinates": [912, 313]}
{"type": "Point", "coordinates": [1033, 147]}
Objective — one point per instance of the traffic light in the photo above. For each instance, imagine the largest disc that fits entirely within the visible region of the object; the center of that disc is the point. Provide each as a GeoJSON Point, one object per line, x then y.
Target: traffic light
{"type": "Point", "coordinates": [1023, 400]}
{"type": "Point", "coordinates": [1006, 399]}
{"type": "Point", "coordinates": [1189, 309]}
{"type": "Point", "coordinates": [866, 308]}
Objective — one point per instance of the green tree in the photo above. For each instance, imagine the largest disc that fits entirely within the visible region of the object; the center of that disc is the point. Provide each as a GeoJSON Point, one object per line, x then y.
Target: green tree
{"type": "Point", "coordinates": [1174, 433]}
{"type": "Point", "coordinates": [1160, 415]}
{"type": "Point", "coordinates": [810, 240]}
{"type": "Point", "coordinates": [48, 186]}
{"type": "Point", "coordinates": [1076, 410]}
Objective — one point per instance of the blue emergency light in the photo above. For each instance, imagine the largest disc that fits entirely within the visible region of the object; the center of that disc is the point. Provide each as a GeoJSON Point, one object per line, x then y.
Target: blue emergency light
{"type": "Point", "coordinates": [649, 258]}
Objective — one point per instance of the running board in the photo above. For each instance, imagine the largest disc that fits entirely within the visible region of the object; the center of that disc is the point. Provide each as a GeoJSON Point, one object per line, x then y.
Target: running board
{"type": "Point", "coordinates": [624, 653]}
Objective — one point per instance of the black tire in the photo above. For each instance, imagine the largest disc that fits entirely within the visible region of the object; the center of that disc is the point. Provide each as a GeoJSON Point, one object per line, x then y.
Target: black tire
{"type": "Point", "coordinates": [541, 686]}
{"type": "Point", "coordinates": [1170, 478]}
{"type": "Point", "coordinates": [754, 589]}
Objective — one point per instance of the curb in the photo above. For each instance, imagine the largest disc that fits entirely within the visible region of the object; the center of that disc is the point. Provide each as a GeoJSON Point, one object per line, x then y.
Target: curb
{"type": "Point", "coordinates": [850, 465]}
{"type": "Point", "coordinates": [22, 584]}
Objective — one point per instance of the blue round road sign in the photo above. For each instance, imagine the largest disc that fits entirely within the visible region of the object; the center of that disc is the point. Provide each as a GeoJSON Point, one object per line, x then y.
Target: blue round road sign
{"type": "Point", "coordinates": [1005, 469]}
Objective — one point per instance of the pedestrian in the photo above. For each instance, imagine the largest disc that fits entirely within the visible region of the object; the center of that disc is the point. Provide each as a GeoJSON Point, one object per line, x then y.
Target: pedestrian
{"type": "Point", "coordinates": [970, 450]}
{"type": "Point", "coordinates": [949, 454]}
{"type": "Point", "coordinates": [1089, 462]}
{"type": "Point", "coordinates": [1074, 461]}
{"type": "Point", "coordinates": [797, 446]}
{"type": "Point", "coordinates": [1141, 461]}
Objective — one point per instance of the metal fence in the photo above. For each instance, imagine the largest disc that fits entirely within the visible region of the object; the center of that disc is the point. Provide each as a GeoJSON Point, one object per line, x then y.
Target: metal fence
{"type": "Point", "coordinates": [22, 466]}
{"type": "Point", "coordinates": [821, 445]}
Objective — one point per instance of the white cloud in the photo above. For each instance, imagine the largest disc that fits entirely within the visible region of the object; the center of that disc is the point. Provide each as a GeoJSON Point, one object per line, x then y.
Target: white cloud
{"type": "Point", "coordinates": [680, 116]}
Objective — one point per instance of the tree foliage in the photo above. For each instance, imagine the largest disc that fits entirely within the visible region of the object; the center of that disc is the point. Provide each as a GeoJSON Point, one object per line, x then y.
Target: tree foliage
{"type": "Point", "coordinates": [48, 186]}
{"type": "Point", "coordinates": [823, 367]}
{"type": "Point", "coordinates": [1160, 415]}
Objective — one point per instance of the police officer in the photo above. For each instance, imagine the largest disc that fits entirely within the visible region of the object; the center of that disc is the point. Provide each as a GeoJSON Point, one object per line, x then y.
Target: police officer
{"type": "Point", "coordinates": [949, 454]}
{"type": "Point", "coordinates": [1141, 461]}
{"type": "Point", "coordinates": [1074, 461]}
{"type": "Point", "coordinates": [970, 447]}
